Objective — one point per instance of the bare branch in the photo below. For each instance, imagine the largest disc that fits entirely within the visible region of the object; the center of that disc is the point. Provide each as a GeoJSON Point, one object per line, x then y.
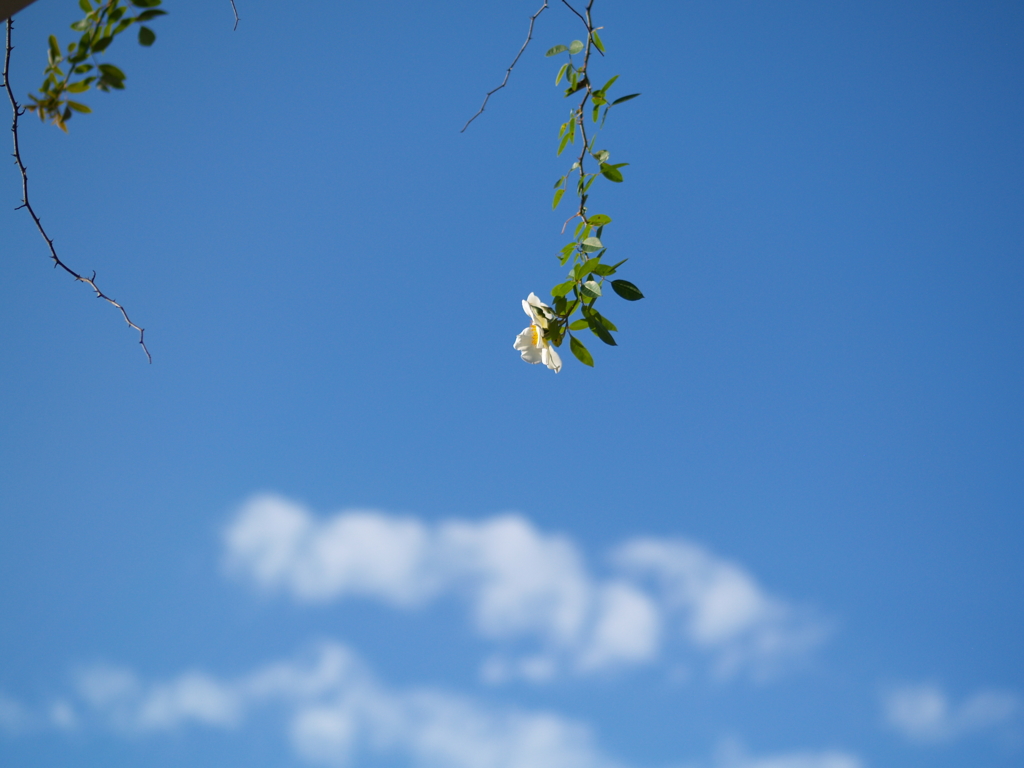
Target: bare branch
{"type": "Point", "coordinates": [529, 37]}
{"type": "Point", "coordinates": [585, 22]}
{"type": "Point", "coordinates": [235, 11]}
{"type": "Point", "coordinates": [90, 281]}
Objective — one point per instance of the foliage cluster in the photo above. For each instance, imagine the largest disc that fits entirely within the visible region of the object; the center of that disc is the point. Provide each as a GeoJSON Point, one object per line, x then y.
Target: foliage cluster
{"type": "Point", "coordinates": [586, 280]}
{"type": "Point", "coordinates": [100, 26]}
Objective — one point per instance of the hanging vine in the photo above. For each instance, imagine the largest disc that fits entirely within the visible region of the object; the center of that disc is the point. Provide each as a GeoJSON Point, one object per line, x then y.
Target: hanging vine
{"type": "Point", "coordinates": [574, 301]}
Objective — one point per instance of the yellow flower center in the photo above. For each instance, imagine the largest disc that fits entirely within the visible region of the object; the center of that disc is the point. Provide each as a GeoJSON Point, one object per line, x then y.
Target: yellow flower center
{"type": "Point", "coordinates": [536, 335]}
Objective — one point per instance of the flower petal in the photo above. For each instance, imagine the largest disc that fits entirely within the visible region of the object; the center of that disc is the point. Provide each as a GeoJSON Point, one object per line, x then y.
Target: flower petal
{"type": "Point", "coordinates": [524, 344]}
{"type": "Point", "coordinates": [545, 310]}
{"type": "Point", "coordinates": [551, 358]}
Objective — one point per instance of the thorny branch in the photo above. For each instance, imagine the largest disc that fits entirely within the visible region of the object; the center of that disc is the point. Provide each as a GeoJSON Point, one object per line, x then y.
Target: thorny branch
{"type": "Point", "coordinates": [529, 37]}
{"type": "Point", "coordinates": [235, 11]}
{"type": "Point", "coordinates": [18, 111]}
{"type": "Point", "coordinates": [585, 22]}
{"type": "Point", "coordinates": [582, 213]}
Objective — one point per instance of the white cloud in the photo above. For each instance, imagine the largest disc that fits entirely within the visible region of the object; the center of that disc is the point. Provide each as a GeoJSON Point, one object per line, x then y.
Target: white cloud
{"type": "Point", "coordinates": [523, 583]}
{"type": "Point", "coordinates": [338, 711]}
{"type": "Point", "coordinates": [627, 627]}
{"type": "Point", "coordinates": [520, 581]}
{"type": "Point", "coordinates": [128, 705]}
{"type": "Point", "coordinates": [436, 729]}
{"type": "Point", "coordinates": [731, 754]}
{"type": "Point", "coordinates": [14, 717]}
{"type": "Point", "coordinates": [279, 545]}
{"type": "Point", "coordinates": [721, 605]}
{"type": "Point", "coordinates": [63, 716]}
{"type": "Point", "coordinates": [924, 713]}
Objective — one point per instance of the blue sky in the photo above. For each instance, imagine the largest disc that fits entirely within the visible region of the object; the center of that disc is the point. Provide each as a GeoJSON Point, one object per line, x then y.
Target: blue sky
{"type": "Point", "coordinates": [338, 521]}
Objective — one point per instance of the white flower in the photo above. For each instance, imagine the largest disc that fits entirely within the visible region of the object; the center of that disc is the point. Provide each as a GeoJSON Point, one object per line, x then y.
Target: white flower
{"type": "Point", "coordinates": [531, 341]}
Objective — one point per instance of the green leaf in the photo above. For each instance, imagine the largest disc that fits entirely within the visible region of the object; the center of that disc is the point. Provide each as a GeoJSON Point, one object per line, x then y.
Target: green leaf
{"type": "Point", "coordinates": [78, 87]}
{"type": "Point", "coordinates": [588, 266]}
{"type": "Point", "coordinates": [146, 36]}
{"type": "Point", "coordinates": [559, 183]}
{"type": "Point", "coordinates": [625, 98]}
{"type": "Point", "coordinates": [601, 155]}
{"type": "Point", "coordinates": [599, 330]}
{"type": "Point", "coordinates": [147, 15]}
{"type": "Point", "coordinates": [579, 325]}
{"type": "Point", "coordinates": [581, 352]}
{"type": "Point", "coordinates": [145, 3]}
{"type": "Point", "coordinates": [54, 49]}
{"type": "Point", "coordinates": [81, 25]}
{"type": "Point", "coordinates": [610, 173]}
{"type": "Point", "coordinates": [561, 72]}
{"type": "Point", "coordinates": [591, 289]}
{"type": "Point", "coordinates": [101, 44]}
{"type": "Point", "coordinates": [575, 46]}
{"type": "Point", "coordinates": [599, 220]}
{"type": "Point", "coordinates": [558, 198]}
{"type": "Point", "coordinates": [563, 288]}
{"type": "Point", "coordinates": [603, 270]}
{"type": "Point", "coordinates": [604, 320]}
{"type": "Point", "coordinates": [85, 5]}
{"type": "Point", "coordinates": [591, 244]}
{"type": "Point", "coordinates": [606, 86]}
{"type": "Point", "coordinates": [551, 51]}
{"type": "Point", "coordinates": [627, 290]}
{"type": "Point", "coordinates": [566, 253]}
{"type": "Point", "coordinates": [597, 41]}
{"type": "Point", "coordinates": [562, 144]}
{"type": "Point", "coordinates": [112, 72]}
{"type": "Point", "coordinates": [79, 107]}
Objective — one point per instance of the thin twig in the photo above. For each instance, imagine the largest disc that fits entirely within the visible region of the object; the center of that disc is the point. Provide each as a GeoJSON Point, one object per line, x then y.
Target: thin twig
{"type": "Point", "coordinates": [90, 281]}
{"type": "Point", "coordinates": [585, 23]}
{"type": "Point", "coordinates": [235, 10]}
{"type": "Point", "coordinates": [529, 37]}
{"type": "Point", "coordinates": [580, 118]}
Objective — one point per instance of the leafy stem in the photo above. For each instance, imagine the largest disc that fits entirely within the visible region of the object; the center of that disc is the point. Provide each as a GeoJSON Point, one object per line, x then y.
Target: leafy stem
{"type": "Point", "coordinates": [588, 274]}
{"type": "Point", "coordinates": [99, 27]}
{"type": "Point", "coordinates": [18, 111]}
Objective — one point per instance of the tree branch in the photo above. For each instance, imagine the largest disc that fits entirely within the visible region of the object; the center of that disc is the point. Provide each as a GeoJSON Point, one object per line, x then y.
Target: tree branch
{"type": "Point", "coordinates": [529, 37]}
{"type": "Point", "coordinates": [235, 11]}
{"type": "Point", "coordinates": [587, 25]}
{"type": "Point", "coordinates": [18, 111]}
